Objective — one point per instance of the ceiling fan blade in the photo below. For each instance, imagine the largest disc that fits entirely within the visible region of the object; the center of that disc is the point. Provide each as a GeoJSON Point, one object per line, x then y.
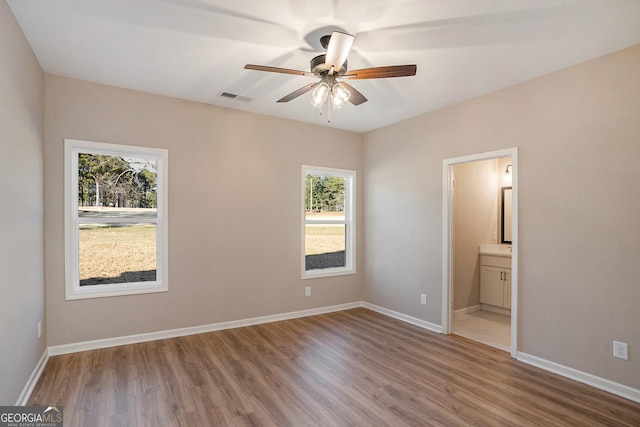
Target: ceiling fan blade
{"type": "Point", "coordinates": [297, 93]}
{"type": "Point", "coordinates": [277, 70]}
{"type": "Point", "coordinates": [338, 50]}
{"type": "Point", "coordinates": [382, 72]}
{"type": "Point", "coordinates": [356, 97]}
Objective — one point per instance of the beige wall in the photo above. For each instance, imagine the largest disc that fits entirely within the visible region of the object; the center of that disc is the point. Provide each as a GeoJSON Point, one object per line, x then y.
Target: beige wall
{"type": "Point", "coordinates": [475, 222]}
{"type": "Point", "coordinates": [21, 216]}
{"type": "Point", "coordinates": [234, 210]}
{"type": "Point", "coordinates": [578, 135]}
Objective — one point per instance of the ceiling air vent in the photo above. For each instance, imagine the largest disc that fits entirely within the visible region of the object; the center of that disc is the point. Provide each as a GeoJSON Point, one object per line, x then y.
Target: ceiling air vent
{"type": "Point", "coordinates": [230, 95]}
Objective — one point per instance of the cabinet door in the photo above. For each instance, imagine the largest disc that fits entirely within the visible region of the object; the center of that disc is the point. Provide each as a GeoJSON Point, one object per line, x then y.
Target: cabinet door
{"type": "Point", "coordinates": [507, 288]}
{"type": "Point", "coordinates": [491, 285]}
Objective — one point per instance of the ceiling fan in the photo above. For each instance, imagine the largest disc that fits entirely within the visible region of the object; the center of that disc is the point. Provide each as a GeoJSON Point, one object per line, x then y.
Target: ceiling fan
{"type": "Point", "coordinates": [331, 68]}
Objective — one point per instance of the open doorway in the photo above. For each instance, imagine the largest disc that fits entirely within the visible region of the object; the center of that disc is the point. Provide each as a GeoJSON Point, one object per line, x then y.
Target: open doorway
{"type": "Point", "coordinates": [480, 247]}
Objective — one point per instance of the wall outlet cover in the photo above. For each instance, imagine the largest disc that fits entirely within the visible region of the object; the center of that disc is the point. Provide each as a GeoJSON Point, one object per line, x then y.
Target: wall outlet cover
{"type": "Point", "coordinates": [621, 350]}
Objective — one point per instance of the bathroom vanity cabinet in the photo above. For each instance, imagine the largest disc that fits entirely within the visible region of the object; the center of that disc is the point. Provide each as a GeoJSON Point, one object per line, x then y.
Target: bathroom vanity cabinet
{"type": "Point", "coordinates": [495, 280]}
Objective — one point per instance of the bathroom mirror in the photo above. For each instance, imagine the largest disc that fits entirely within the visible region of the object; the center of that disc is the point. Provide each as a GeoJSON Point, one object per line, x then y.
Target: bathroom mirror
{"type": "Point", "coordinates": [505, 216]}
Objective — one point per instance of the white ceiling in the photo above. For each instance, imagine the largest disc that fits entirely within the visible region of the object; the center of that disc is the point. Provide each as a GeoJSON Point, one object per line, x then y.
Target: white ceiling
{"type": "Point", "coordinates": [196, 49]}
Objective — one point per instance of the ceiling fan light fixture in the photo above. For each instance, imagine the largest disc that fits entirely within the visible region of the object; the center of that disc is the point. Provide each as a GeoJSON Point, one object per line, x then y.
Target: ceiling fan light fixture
{"type": "Point", "coordinates": [339, 95]}
{"type": "Point", "coordinates": [320, 94]}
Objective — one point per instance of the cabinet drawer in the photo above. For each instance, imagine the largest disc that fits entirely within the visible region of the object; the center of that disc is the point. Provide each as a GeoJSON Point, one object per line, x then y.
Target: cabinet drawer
{"type": "Point", "coordinates": [495, 261]}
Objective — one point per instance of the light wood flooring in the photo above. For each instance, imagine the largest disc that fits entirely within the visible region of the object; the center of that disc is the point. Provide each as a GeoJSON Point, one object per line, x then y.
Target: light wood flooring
{"type": "Point", "coordinates": [355, 367]}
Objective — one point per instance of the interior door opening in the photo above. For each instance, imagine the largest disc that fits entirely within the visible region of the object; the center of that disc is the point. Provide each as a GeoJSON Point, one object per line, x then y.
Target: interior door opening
{"type": "Point", "coordinates": [480, 247]}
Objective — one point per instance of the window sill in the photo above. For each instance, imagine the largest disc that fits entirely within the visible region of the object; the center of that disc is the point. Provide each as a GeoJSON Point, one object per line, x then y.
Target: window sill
{"type": "Point", "coordinates": [113, 290]}
{"type": "Point", "coordinates": [328, 272]}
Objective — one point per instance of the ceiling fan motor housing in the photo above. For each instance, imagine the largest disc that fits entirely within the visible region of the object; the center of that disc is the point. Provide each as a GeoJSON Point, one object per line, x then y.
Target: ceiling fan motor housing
{"type": "Point", "coordinates": [318, 66]}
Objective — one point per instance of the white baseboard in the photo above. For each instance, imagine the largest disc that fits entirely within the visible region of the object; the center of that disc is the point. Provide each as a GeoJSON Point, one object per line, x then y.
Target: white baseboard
{"type": "Point", "coordinates": [404, 317]}
{"type": "Point", "coordinates": [583, 377]}
{"type": "Point", "coordinates": [499, 310]}
{"type": "Point", "coordinates": [33, 379]}
{"type": "Point", "coordinates": [467, 310]}
{"type": "Point", "coordinates": [172, 333]}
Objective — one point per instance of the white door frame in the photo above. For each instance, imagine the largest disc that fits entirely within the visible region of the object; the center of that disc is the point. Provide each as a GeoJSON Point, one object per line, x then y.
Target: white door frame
{"type": "Point", "coordinates": [447, 233]}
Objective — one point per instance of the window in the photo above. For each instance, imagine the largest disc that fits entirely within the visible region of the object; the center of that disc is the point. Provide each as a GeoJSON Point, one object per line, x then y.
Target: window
{"type": "Point", "coordinates": [328, 222]}
{"type": "Point", "coordinates": [115, 219]}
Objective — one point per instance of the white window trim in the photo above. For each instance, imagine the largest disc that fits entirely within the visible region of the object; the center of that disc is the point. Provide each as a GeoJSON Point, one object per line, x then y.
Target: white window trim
{"type": "Point", "coordinates": [350, 222]}
{"type": "Point", "coordinates": [73, 290]}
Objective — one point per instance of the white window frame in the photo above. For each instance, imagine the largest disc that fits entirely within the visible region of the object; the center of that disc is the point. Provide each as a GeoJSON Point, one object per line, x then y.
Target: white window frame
{"type": "Point", "coordinates": [349, 222]}
{"type": "Point", "coordinates": [73, 290]}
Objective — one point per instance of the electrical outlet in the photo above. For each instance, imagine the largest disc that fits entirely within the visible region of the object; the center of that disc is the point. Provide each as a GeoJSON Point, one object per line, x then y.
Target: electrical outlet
{"type": "Point", "coordinates": [423, 299]}
{"type": "Point", "coordinates": [621, 350]}
{"type": "Point", "coordinates": [39, 329]}
{"type": "Point", "coordinates": [307, 291]}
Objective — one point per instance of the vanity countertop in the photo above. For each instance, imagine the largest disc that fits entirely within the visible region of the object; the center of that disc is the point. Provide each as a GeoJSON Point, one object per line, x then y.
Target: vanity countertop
{"type": "Point", "coordinates": [495, 250]}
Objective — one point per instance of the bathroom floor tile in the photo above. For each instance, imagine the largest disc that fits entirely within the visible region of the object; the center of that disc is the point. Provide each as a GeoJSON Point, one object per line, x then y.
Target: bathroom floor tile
{"type": "Point", "coordinates": [486, 327]}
